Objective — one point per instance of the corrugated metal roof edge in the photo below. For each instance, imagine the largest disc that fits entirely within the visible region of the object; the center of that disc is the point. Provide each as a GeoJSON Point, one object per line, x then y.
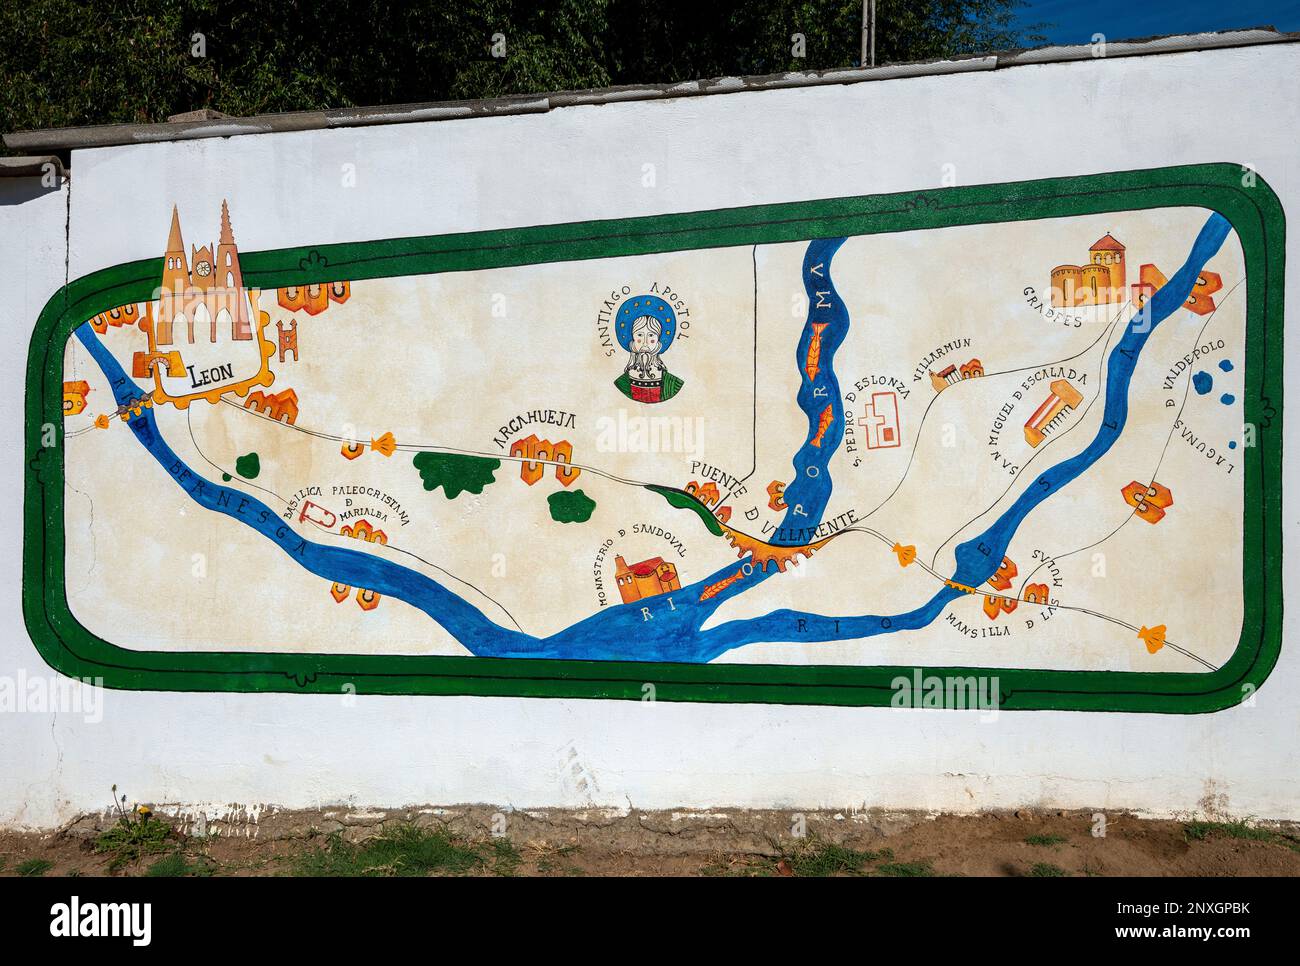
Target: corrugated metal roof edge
{"type": "Point", "coordinates": [108, 135]}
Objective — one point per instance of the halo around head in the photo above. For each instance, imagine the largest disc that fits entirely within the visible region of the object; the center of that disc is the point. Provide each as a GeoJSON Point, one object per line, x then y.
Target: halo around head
{"type": "Point", "coordinates": [639, 305]}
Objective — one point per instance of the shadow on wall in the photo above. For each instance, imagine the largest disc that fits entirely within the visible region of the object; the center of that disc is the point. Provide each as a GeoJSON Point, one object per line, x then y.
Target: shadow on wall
{"type": "Point", "coordinates": [19, 191]}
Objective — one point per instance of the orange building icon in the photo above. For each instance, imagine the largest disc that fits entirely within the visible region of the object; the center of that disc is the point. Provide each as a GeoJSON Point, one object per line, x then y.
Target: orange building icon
{"type": "Point", "coordinates": [531, 451]}
{"type": "Point", "coordinates": [1099, 282]}
{"type": "Point", "coordinates": [281, 406]}
{"type": "Point", "coordinates": [288, 339]}
{"type": "Point", "coordinates": [645, 579]}
{"type": "Point", "coordinates": [710, 496]}
{"type": "Point", "coordinates": [952, 375]}
{"type": "Point", "coordinates": [145, 364]}
{"type": "Point", "coordinates": [995, 604]}
{"type": "Point", "coordinates": [1149, 502]}
{"type": "Point", "coordinates": [363, 529]}
{"type": "Point", "coordinates": [1151, 279]}
{"type": "Point", "coordinates": [1036, 594]}
{"type": "Point", "coordinates": [74, 397]}
{"type": "Point", "coordinates": [1063, 398]}
{"type": "Point", "coordinates": [128, 314]}
{"type": "Point", "coordinates": [314, 298]}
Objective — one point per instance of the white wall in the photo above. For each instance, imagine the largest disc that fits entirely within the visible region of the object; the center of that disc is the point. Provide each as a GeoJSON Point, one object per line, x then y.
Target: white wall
{"type": "Point", "coordinates": [586, 162]}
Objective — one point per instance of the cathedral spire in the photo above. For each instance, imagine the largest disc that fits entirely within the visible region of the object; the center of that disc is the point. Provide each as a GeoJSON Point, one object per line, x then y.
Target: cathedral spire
{"type": "Point", "coordinates": [227, 236]}
{"type": "Point", "coordinates": [174, 242]}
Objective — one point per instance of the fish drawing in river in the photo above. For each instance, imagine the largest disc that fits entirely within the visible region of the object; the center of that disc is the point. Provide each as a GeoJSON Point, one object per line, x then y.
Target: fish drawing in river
{"type": "Point", "coordinates": [815, 350]}
{"type": "Point", "coordinates": [823, 423]}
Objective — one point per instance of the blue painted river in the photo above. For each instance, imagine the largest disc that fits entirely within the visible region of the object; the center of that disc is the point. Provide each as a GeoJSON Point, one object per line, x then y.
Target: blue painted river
{"type": "Point", "coordinates": [673, 632]}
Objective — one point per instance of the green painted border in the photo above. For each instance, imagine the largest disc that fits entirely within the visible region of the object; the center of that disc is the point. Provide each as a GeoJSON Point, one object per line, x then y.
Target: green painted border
{"type": "Point", "coordinates": [1254, 212]}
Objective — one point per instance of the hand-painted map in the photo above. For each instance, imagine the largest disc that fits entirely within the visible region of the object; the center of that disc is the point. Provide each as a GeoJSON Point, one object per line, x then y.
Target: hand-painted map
{"type": "Point", "coordinates": [921, 437]}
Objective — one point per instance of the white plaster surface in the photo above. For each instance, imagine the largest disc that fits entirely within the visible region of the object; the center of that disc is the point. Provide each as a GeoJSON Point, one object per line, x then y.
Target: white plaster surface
{"type": "Point", "coordinates": [588, 162]}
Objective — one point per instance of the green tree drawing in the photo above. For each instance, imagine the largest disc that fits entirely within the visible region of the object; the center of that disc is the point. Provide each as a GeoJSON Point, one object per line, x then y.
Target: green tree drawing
{"type": "Point", "coordinates": [571, 507]}
{"type": "Point", "coordinates": [455, 473]}
{"type": "Point", "coordinates": [248, 466]}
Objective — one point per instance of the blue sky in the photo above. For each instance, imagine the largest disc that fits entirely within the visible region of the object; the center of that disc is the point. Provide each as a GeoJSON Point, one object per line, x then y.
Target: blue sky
{"type": "Point", "coordinates": [1075, 21]}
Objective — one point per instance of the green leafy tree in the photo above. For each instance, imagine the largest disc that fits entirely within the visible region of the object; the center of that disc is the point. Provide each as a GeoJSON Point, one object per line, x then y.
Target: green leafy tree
{"type": "Point", "coordinates": [667, 43]}
{"type": "Point", "coordinates": [114, 61]}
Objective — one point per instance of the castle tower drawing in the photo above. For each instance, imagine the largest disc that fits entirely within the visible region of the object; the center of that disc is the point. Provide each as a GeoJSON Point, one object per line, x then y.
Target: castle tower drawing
{"type": "Point", "coordinates": [1108, 252]}
{"type": "Point", "coordinates": [1101, 281]}
{"type": "Point", "coordinates": [204, 293]}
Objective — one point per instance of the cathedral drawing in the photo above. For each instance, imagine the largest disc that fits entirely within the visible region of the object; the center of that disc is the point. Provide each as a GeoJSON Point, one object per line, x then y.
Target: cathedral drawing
{"type": "Point", "coordinates": [204, 293]}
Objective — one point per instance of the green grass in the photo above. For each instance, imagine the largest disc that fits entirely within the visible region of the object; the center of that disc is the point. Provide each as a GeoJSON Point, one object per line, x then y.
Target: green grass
{"type": "Point", "coordinates": [744, 866]}
{"type": "Point", "coordinates": [805, 858]}
{"type": "Point", "coordinates": [812, 858]}
{"type": "Point", "coordinates": [505, 857]}
{"type": "Point", "coordinates": [34, 867]}
{"type": "Point", "coordinates": [1045, 840]}
{"type": "Point", "coordinates": [553, 861]}
{"type": "Point", "coordinates": [131, 839]}
{"type": "Point", "coordinates": [906, 870]}
{"type": "Point", "coordinates": [1045, 870]}
{"type": "Point", "coordinates": [177, 864]}
{"type": "Point", "coordinates": [407, 850]}
{"type": "Point", "coordinates": [1199, 831]}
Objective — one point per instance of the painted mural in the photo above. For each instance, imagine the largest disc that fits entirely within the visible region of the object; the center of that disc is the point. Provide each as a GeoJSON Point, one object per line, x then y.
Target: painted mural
{"type": "Point", "coordinates": [789, 454]}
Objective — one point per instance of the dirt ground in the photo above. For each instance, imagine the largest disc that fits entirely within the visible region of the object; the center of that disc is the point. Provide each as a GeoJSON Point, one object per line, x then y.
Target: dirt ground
{"type": "Point", "coordinates": [478, 840]}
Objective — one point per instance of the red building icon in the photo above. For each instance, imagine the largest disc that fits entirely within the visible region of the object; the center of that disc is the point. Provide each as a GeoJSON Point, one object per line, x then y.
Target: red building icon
{"type": "Point", "coordinates": [880, 419]}
{"type": "Point", "coordinates": [645, 579]}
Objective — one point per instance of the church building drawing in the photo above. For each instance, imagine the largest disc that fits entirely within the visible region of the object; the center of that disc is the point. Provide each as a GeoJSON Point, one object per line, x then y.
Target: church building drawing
{"type": "Point", "coordinates": [645, 579]}
{"type": "Point", "coordinates": [1100, 282]}
{"type": "Point", "coordinates": [209, 297]}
